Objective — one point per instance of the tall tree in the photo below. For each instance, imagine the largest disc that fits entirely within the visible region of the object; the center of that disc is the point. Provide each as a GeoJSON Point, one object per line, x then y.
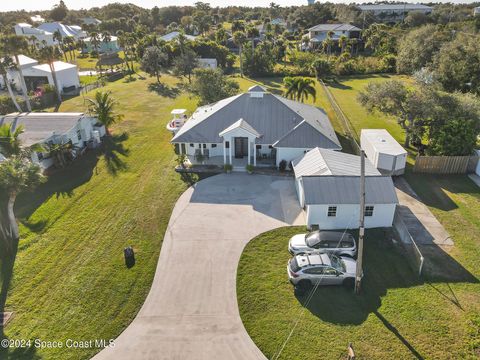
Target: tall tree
{"type": "Point", "coordinates": [17, 174]}
{"type": "Point", "coordinates": [239, 38]}
{"type": "Point", "coordinates": [185, 63]}
{"type": "Point", "coordinates": [10, 140]}
{"type": "Point", "coordinates": [210, 85]}
{"type": "Point", "coordinates": [59, 12]}
{"type": "Point", "coordinates": [299, 88]}
{"type": "Point", "coordinates": [14, 45]}
{"type": "Point", "coordinates": [49, 54]}
{"type": "Point", "coordinates": [154, 60]}
{"type": "Point", "coordinates": [6, 64]}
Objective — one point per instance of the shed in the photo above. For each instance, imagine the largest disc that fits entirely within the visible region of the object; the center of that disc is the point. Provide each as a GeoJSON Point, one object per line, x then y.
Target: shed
{"type": "Point", "coordinates": [383, 151]}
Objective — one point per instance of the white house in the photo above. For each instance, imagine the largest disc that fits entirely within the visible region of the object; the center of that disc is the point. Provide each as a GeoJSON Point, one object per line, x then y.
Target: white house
{"type": "Point", "coordinates": [36, 75]}
{"type": "Point", "coordinates": [319, 33]}
{"type": "Point", "coordinates": [393, 12]}
{"type": "Point", "coordinates": [328, 188]}
{"type": "Point", "coordinates": [57, 128]}
{"type": "Point", "coordinates": [91, 21]}
{"type": "Point", "coordinates": [103, 47]}
{"type": "Point", "coordinates": [383, 151]}
{"type": "Point", "coordinates": [175, 34]}
{"type": "Point", "coordinates": [207, 63]}
{"type": "Point", "coordinates": [43, 38]}
{"type": "Point", "coordinates": [64, 30]}
{"type": "Point", "coordinates": [37, 19]}
{"type": "Point", "coordinates": [257, 128]}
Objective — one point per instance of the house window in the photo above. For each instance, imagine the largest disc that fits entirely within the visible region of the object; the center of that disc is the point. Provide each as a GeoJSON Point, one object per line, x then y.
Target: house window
{"type": "Point", "coordinates": [258, 147]}
{"type": "Point", "coordinates": [40, 156]}
{"type": "Point", "coordinates": [79, 135]}
{"type": "Point", "coordinates": [214, 146]}
{"type": "Point", "coordinates": [227, 144]}
{"type": "Point", "coordinates": [192, 145]}
{"type": "Point", "coordinates": [270, 146]}
{"type": "Point", "coordinates": [332, 211]}
{"type": "Point", "coordinates": [369, 210]}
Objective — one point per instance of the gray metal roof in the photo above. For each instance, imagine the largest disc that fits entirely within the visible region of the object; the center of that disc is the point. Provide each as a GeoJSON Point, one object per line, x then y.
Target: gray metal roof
{"type": "Point", "coordinates": [241, 124]}
{"type": "Point", "coordinates": [334, 27]}
{"type": "Point", "coordinates": [333, 190]}
{"type": "Point", "coordinates": [307, 135]}
{"type": "Point", "coordinates": [382, 141]}
{"type": "Point", "coordinates": [323, 162]}
{"type": "Point", "coordinates": [270, 115]}
{"type": "Point", "coordinates": [41, 126]}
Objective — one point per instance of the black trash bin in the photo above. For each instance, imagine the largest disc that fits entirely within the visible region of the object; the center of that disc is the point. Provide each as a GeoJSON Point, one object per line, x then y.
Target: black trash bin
{"type": "Point", "coordinates": [129, 255]}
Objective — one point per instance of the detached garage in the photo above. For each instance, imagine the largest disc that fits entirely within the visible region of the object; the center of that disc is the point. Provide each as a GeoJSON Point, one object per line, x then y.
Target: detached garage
{"type": "Point", "coordinates": [383, 151]}
{"type": "Point", "coordinates": [67, 76]}
{"type": "Point", "coordinates": [328, 188]}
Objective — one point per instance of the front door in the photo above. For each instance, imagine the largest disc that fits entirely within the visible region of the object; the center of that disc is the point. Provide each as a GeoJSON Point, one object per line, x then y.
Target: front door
{"type": "Point", "coordinates": [241, 147]}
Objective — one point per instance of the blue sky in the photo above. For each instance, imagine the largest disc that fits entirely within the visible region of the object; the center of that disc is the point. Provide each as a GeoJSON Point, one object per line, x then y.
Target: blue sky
{"type": "Point", "coordinates": [6, 5]}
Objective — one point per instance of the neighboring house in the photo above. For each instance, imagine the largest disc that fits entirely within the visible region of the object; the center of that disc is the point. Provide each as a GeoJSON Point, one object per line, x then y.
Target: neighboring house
{"type": "Point", "coordinates": [328, 188]}
{"type": "Point", "coordinates": [207, 63]}
{"type": "Point", "coordinates": [393, 12]}
{"type": "Point", "coordinates": [55, 128]}
{"type": "Point", "coordinates": [255, 127]}
{"type": "Point", "coordinates": [476, 11]}
{"type": "Point", "coordinates": [37, 19]}
{"type": "Point", "coordinates": [383, 151]}
{"type": "Point", "coordinates": [43, 38]}
{"type": "Point", "coordinates": [279, 21]}
{"type": "Point", "coordinates": [36, 75]}
{"type": "Point", "coordinates": [174, 35]}
{"type": "Point", "coordinates": [319, 33]}
{"type": "Point", "coordinates": [65, 30]}
{"type": "Point", "coordinates": [91, 21]}
{"type": "Point", "coordinates": [103, 47]}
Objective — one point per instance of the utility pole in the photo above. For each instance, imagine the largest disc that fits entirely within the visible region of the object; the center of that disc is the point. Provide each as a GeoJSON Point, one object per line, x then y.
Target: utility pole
{"type": "Point", "coordinates": [359, 269]}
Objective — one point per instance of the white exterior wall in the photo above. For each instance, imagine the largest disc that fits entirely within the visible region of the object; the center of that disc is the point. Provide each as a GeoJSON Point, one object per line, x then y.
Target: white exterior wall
{"type": "Point", "coordinates": [348, 216]}
{"type": "Point", "coordinates": [289, 154]}
{"type": "Point", "coordinates": [395, 164]}
{"type": "Point", "coordinates": [213, 151]}
{"type": "Point", "coordinates": [300, 193]}
{"type": "Point", "coordinates": [477, 170]}
{"type": "Point", "coordinates": [67, 77]}
{"type": "Point", "coordinates": [48, 38]}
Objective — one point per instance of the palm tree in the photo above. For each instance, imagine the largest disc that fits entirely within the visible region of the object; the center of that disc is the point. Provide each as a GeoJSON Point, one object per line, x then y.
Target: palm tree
{"type": "Point", "coordinates": [69, 42]}
{"type": "Point", "coordinates": [57, 36]}
{"type": "Point", "coordinates": [17, 174]}
{"type": "Point", "coordinates": [342, 42]}
{"type": "Point", "coordinates": [7, 63]}
{"type": "Point", "coordinates": [103, 108]}
{"type": "Point", "coordinates": [9, 140]}
{"type": "Point", "coordinates": [239, 39]}
{"type": "Point", "coordinates": [95, 40]}
{"type": "Point", "coordinates": [49, 54]}
{"type": "Point", "coordinates": [299, 88]}
{"type": "Point", "coordinates": [14, 45]}
{"type": "Point", "coordinates": [306, 88]}
{"type": "Point", "coordinates": [106, 38]}
{"type": "Point", "coordinates": [59, 153]}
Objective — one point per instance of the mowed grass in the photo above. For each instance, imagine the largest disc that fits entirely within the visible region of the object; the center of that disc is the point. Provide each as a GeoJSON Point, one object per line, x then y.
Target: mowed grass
{"type": "Point", "coordinates": [398, 316]}
{"type": "Point", "coordinates": [69, 277]}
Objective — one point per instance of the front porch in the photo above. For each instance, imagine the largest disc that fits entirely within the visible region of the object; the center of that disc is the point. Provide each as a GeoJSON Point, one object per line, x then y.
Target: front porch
{"type": "Point", "coordinates": [238, 164]}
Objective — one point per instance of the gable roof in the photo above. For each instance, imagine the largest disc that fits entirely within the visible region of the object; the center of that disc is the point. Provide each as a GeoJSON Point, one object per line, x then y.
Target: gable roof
{"type": "Point", "coordinates": [65, 30]}
{"type": "Point", "coordinates": [333, 190]}
{"type": "Point", "coordinates": [334, 27]}
{"type": "Point", "coordinates": [256, 88]}
{"type": "Point", "coordinates": [39, 127]}
{"type": "Point", "coordinates": [241, 124]}
{"type": "Point", "coordinates": [270, 115]}
{"type": "Point", "coordinates": [174, 34]}
{"type": "Point", "coordinates": [323, 162]}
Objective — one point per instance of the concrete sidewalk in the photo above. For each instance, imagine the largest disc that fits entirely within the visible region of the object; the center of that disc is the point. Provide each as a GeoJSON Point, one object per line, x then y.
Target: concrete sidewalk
{"type": "Point", "coordinates": [191, 311]}
{"type": "Point", "coordinates": [421, 223]}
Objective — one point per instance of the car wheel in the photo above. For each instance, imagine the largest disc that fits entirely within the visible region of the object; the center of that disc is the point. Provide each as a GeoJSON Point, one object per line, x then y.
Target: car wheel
{"type": "Point", "coordinates": [349, 283]}
{"type": "Point", "coordinates": [302, 287]}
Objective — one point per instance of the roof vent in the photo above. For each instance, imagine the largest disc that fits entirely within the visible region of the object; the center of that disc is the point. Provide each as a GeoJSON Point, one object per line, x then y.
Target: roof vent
{"type": "Point", "coordinates": [256, 94]}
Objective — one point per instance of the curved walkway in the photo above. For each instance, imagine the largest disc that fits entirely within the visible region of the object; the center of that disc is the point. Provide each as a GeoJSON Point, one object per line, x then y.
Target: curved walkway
{"type": "Point", "coordinates": [191, 311]}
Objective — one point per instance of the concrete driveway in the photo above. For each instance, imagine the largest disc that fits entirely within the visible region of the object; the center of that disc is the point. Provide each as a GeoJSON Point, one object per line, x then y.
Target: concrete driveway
{"type": "Point", "coordinates": [191, 311]}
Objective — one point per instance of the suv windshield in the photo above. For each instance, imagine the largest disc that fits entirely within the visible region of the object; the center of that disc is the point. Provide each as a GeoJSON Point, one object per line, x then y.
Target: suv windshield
{"type": "Point", "coordinates": [294, 265]}
{"type": "Point", "coordinates": [337, 263]}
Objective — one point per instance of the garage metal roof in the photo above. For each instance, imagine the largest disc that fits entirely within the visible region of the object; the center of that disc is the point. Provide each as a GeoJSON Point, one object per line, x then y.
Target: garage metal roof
{"type": "Point", "coordinates": [319, 162]}
{"type": "Point", "coordinates": [333, 190]}
{"type": "Point", "coordinates": [382, 141]}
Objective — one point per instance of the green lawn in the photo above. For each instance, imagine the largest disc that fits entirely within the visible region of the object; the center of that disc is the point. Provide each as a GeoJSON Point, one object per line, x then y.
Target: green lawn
{"type": "Point", "coordinates": [398, 316]}
{"type": "Point", "coordinates": [69, 278]}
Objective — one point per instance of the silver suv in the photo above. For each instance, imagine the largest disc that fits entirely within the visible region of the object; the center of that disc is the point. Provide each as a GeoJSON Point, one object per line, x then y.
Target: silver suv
{"type": "Point", "coordinates": [336, 242]}
{"type": "Point", "coordinates": [305, 271]}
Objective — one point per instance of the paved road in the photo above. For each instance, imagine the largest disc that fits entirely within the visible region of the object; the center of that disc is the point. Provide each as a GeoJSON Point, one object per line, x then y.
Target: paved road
{"type": "Point", "coordinates": [191, 311]}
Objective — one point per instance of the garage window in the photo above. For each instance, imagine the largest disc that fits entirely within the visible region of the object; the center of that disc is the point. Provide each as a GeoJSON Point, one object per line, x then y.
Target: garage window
{"type": "Point", "coordinates": [214, 146]}
{"type": "Point", "coordinates": [332, 211]}
{"type": "Point", "coordinates": [369, 210]}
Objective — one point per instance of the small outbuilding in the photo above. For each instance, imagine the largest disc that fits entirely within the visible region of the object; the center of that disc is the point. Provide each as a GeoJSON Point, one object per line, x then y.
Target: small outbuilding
{"type": "Point", "coordinates": [328, 188]}
{"type": "Point", "coordinates": [383, 151]}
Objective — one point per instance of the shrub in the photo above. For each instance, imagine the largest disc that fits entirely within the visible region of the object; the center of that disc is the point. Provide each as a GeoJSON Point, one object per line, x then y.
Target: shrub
{"type": "Point", "coordinates": [283, 165]}
{"type": "Point", "coordinates": [249, 168]}
{"type": "Point", "coordinates": [346, 68]}
{"type": "Point", "coordinates": [227, 167]}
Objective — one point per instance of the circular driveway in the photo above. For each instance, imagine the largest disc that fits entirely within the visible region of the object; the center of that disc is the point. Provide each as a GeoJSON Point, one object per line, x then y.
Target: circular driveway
{"type": "Point", "coordinates": [191, 311]}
